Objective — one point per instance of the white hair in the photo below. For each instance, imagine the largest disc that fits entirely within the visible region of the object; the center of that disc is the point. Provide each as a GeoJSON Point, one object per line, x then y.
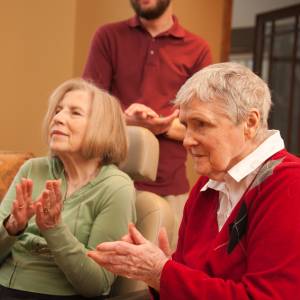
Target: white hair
{"type": "Point", "coordinates": [232, 85]}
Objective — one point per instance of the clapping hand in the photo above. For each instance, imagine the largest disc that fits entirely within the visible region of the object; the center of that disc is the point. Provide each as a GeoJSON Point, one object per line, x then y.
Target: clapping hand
{"type": "Point", "coordinates": [134, 256]}
{"type": "Point", "coordinates": [49, 206]}
{"type": "Point", "coordinates": [22, 208]}
{"type": "Point", "coordinates": [140, 111]}
{"type": "Point", "coordinates": [141, 115]}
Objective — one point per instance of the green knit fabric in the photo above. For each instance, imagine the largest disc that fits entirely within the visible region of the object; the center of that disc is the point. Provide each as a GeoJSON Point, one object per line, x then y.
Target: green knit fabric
{"type": "Point", "coordinates": [54, 261]}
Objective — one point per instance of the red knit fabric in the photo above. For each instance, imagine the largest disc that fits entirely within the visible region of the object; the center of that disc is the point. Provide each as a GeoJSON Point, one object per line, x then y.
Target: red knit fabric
{"type": "Point", "coordinates": [264, 265]}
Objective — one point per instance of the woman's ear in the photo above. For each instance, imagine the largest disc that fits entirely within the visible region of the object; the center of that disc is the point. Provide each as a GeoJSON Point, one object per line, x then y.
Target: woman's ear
{"type": "Point", "coordinates": [252, 124]}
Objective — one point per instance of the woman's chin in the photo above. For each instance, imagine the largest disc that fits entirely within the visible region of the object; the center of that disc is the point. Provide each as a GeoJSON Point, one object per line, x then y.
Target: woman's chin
{"type": "Point", "coordinates": [57, 151]}
{"type": "Point", "coordinates": [201, 170]}
{"type": "Point", "coordinates": [201, 164]}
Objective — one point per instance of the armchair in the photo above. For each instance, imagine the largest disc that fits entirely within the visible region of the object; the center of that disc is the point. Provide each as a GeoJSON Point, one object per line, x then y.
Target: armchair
{"type": "Point", "coordinates": [153, 211]}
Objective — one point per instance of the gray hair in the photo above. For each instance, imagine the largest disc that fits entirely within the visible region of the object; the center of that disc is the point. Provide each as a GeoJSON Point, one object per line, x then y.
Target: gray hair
{"type": "Point", "coordinates": [232, 85]}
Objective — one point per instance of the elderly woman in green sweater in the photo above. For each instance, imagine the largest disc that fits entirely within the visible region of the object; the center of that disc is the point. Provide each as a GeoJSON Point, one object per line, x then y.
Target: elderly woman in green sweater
{"type": "Point", "coordinates": [61, 206]}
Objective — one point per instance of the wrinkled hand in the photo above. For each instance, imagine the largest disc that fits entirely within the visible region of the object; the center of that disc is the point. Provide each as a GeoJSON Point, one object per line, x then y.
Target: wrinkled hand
{"type": "Point", "coordinates": [49, 206]}
{"type": "Point", "coordinates": [134, 256]}
{"type": "Point", "coordinates": [142, 115]}
{"type": "Point", "coordinates": [22, 208]}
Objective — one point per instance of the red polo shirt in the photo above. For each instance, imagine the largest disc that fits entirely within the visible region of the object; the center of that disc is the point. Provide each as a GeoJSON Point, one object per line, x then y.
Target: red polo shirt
{"type": "Point", "coordinates": [135, 67]}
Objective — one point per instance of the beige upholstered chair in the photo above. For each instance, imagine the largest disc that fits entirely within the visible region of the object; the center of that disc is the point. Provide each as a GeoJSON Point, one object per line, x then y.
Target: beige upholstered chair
{"type": "Point", "coordinates": [153, 211]}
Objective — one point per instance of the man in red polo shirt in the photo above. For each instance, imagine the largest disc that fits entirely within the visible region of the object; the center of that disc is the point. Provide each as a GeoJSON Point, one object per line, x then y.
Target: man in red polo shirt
{"type": "Point", "coordinates": [143, 61]}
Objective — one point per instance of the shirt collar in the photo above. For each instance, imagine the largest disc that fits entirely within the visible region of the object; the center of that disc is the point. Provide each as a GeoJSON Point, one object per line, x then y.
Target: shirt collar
{"type": "Point", "coordinates": [272, 144]}
{"type": "Point", "coordinates": [176, 30]}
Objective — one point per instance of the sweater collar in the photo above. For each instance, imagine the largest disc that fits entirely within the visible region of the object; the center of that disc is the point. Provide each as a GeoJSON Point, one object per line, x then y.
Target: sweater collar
{"type": "Point", "coordinates": [272, 144]}
{"type": "Point", "coordinates": [57, 170]}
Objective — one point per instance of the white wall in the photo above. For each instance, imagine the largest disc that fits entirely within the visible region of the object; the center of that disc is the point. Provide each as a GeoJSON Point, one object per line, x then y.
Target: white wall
{"type": "Point", "coordinates": [244, 11]}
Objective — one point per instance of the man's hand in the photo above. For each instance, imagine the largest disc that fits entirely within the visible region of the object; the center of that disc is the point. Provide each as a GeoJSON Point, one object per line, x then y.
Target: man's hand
{"type": "Point", "coordinates": [140, 111]}
{"type": "Point", "coordinates": [176, 131]}
{"type": "Point", "coordinates": [134, 256]}
{"type": "Point", "coordinates": [142, 115]}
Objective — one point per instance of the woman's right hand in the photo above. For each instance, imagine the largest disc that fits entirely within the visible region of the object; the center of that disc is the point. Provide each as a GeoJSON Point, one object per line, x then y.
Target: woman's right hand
{"type": "Point", "coordinates": [135, 257]}
{"type": "Point", "coordinates": [22, 208]}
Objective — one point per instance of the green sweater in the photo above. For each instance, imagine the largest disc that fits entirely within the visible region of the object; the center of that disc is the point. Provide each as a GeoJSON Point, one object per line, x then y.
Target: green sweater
{"type": "Point", "coordinates": [54, 261]}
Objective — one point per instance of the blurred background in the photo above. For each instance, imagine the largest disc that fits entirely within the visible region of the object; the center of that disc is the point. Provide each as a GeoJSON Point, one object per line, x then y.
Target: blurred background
{"type": "Point", "coordinates": [46, 42]}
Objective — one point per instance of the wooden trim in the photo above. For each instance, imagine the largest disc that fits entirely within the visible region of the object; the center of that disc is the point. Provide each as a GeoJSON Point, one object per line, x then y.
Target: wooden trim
{"type": "Point", "coordinates": [226, 32]}
{"type": "Point", "coordinates": [261, 22]}
{"type": "Point", "coordinates": [292, 86]}
{"type": "Point", "coordinates": [269, 79]}
{"type": "Point", "coordinates": [240, 44]}
{"type": "Point", "coordinates": [280, 13]}
{"type": "Point", "coordinates": [258, 47]}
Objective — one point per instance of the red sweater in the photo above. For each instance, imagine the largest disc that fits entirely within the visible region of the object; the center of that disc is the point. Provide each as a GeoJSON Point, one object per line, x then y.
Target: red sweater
{"type": "Point", "coordinates": [255, 256]}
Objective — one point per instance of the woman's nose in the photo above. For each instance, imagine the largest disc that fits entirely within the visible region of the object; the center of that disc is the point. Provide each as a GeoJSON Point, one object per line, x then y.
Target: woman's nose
{"type": "Point", "coordinates": [189, 139]}
{"type": "Point", "coordinates": [59, 117]}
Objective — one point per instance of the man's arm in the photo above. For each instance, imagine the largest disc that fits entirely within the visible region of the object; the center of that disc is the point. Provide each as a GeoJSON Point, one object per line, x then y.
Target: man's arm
{"type": "Point", "coordinates": [204, 58]}
{"type": "Point", "coordinates": [176, 131]}
{"type": "Point", "coordinates": [98, 67]}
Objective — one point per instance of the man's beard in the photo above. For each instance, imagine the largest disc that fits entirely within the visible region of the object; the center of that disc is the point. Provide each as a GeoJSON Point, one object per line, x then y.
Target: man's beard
{"type": "Point", "coordinates": [152, 13]}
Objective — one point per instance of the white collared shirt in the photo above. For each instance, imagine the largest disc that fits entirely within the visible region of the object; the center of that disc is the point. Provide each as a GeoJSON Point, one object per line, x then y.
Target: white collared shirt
{"type": "Point", "coordinates": [240, 176]}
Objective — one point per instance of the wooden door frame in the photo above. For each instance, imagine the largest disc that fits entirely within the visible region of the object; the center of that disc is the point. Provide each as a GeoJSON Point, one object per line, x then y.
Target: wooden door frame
{"type": "Point", "coordinates": [226, 30]}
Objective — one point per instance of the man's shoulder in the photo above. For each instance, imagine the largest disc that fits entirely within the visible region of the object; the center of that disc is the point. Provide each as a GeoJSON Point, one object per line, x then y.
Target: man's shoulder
{"type": "Point", "coordinates": [195, 38]}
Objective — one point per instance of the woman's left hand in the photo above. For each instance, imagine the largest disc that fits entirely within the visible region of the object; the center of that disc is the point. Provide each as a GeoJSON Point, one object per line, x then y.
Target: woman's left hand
{"type": "Point", "coordinates": [49, 206]}
{"type": "Point", "coordinates": [134, 256]}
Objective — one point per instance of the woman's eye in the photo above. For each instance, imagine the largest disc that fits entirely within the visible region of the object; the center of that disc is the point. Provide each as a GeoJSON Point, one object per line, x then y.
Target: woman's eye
{"type": "Point", "coordinates": [76, 113]}
{"type": "Point", "coordinates": [200, 124]}
{"type": "Point", "coordinates": [183, 123]}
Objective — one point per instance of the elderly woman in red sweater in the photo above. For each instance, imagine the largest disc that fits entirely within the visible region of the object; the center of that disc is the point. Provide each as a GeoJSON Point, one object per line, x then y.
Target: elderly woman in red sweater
{"type": "Point", "coordinates": [240, 233]}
